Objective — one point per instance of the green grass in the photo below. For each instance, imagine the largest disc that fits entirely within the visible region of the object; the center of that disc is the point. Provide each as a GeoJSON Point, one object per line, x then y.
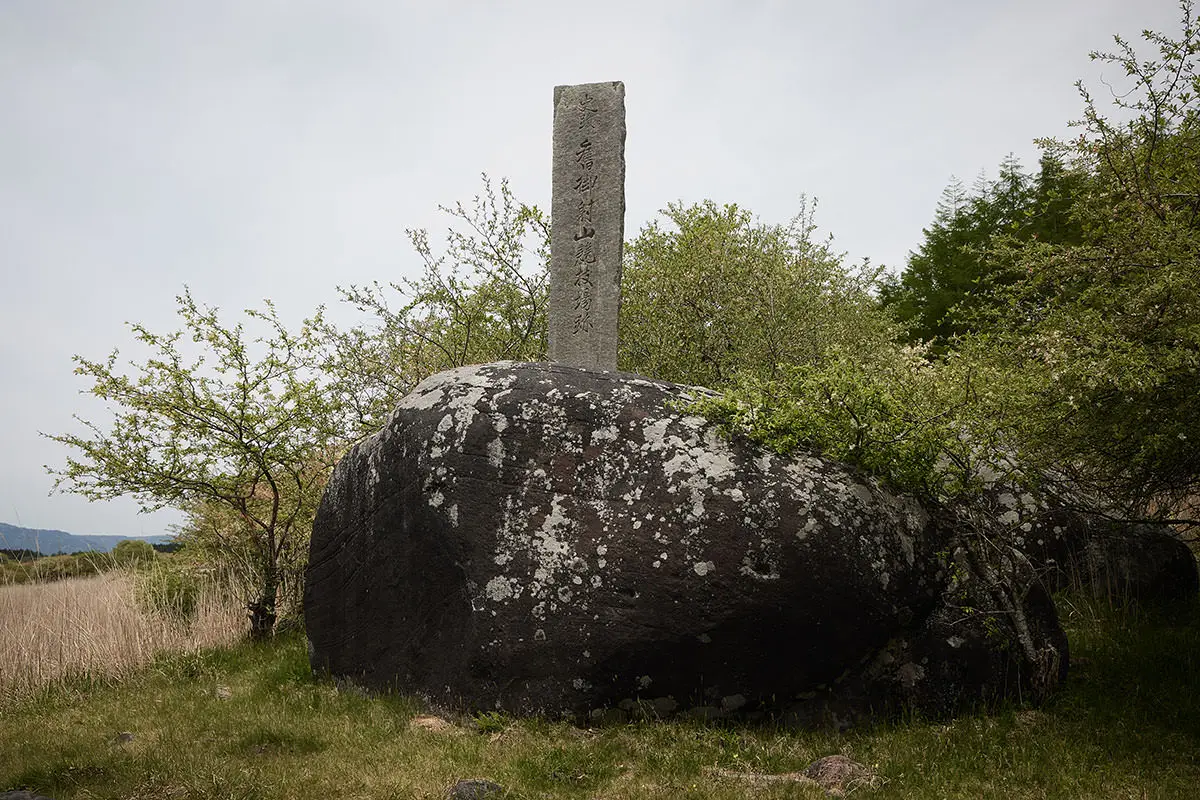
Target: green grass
{"type": "Point", "coordinates": [251, 722]}
{"type": "Point", "coordinates": [54, 568]}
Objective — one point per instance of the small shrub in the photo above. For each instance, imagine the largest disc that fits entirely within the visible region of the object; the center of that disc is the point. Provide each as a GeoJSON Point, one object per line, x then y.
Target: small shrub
{"type": "Point", "coordinates": [491, 721]}
{"type": "Point", "coordinates": [46, 569]}
{"type": "Point", "coordinates": [133, 551]}
{"type": "Point", "coordinates": [170, 588]}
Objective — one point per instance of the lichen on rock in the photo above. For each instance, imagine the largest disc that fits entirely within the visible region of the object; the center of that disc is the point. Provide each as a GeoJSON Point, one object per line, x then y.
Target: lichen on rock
{"type": "Point", "coordinates": [538, 538]}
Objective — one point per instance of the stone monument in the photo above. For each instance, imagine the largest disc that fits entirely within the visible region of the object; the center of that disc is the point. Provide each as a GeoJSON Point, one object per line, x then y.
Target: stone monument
{"type": "Point", "coordinates": [587, 223]}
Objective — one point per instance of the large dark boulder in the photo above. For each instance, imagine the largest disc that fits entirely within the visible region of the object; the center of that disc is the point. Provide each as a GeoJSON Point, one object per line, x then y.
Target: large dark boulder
{"type": "Point", "coordinates": [539, 538]}
{"type": "Point", "coordinates": [1071, 545]}
{"type": "Point", "coordinates": [1147, 563]}
{"type": "Point", "coordinates": [993, 635]}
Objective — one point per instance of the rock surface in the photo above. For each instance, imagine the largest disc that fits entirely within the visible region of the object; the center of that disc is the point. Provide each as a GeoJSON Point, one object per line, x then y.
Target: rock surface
{"type": "Point", "coordinates": [1147, 563]}
{"type": "Point", "coordinates": [1118, 560]}
{"type": "Point", "coordinates": [539, 538]}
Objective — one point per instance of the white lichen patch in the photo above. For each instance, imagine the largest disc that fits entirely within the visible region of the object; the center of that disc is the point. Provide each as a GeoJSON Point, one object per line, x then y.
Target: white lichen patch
{"type": "Point", "coordinates": [495, 451]}
{"type": "Point", "coordinates": [809, 526]}
{"type": "Point", "coordinates": [605, 434]}
{"type": "Point", "coordinates": [986, 473]}
{"type": "Point", "coordinates": [703, 568]}
{"type": "Point", "coordinates": [374, 456]}
{"type": "Point", "coordinates": [500, 588]}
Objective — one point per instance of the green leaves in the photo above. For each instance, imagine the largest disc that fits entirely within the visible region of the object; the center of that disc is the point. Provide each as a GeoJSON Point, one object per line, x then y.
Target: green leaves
{"type": "Point", "coordinates": [212, 419]}
{"type": "Point", "coordinates": [1095, 345]}
{"type": "Point", "coordinates": [717, 293]}
{"type": "Point", "coordinates": [960, 264]}
{"type": "Point", "coordinates": [482, 299]}
{"type": "Point", "coordinates": [1080, 315]}
{"type": "Point", "coordinates": [893, 415]}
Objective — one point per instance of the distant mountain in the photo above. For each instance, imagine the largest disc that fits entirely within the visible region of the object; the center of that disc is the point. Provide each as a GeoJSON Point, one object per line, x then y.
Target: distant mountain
{"type": "Point", "coordinates": [53, 542]}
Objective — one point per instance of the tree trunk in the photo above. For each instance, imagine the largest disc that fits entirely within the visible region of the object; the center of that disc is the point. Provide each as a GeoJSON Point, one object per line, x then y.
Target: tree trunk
{"type": "Point", "coordinates": [262, 610]}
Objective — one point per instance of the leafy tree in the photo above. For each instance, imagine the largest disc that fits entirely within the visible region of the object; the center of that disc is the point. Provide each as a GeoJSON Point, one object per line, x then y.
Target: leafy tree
{"type": "Point", "coordinates": [482, 299]}
{"type": "Point", "coordinates": [1096, 348]}
{"type": "Point", "coordinates": [1078, 359]}
{"type": "Point", "coordinates": [714, 294]}
{"type": "Point", "coordinates": [940, 273]}
{"type": "Point", "coordinates": [243, 426]}
{"type": "Point", "coordinates": [954, 271]}
{"type": "Point", "coordinates": [705, 296]}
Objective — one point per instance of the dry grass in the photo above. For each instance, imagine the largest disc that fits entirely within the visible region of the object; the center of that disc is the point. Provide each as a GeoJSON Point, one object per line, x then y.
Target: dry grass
{"type": "Point", "coordinates": [94, 627]}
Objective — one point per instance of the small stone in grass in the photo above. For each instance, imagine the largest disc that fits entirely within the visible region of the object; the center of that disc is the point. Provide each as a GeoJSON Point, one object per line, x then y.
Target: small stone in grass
{"type": "Point", "coordinates": [475, 790]}
{"type": "Point", "coordinates": [433, 725]}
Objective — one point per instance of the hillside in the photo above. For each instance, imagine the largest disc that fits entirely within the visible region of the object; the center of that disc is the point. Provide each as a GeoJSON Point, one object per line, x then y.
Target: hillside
{"type": "Point", "coordinates": [49, 543]}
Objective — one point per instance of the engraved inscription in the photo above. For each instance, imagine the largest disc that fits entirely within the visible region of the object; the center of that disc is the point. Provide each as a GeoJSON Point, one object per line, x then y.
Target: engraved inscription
{"type": "Point", "coordinates": [587, 223]}
{"type": "Point", "coordinates": [586, 182]}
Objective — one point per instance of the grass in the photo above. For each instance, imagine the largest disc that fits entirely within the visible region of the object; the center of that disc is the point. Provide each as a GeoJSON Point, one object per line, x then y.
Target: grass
{"type": "Point", "coordinates": [251, 722]}
{"type": "Point", "coordinates": [95, 628]}
{"type": "Point", "coordinates": [53, 568]}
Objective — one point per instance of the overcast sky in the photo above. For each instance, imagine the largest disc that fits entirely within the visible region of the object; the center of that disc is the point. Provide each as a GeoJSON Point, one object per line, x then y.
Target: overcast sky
{"type": "Point", "coordinates": [265, 148]}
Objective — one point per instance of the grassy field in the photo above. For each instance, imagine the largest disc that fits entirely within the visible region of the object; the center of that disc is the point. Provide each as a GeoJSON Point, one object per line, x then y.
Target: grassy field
{"type": "Point", "coordinates": [95, 628]}
{"type": "Point", "coordinates": [249, 721]}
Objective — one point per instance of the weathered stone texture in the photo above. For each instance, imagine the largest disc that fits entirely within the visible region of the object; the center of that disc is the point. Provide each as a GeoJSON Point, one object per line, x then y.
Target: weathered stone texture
{"type": "Point", "coordinates": [542, 538]}
{"type": "Point", "coordinates": [587, 223]}
{"type": "Point", "coordinates": [1109, 557]}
